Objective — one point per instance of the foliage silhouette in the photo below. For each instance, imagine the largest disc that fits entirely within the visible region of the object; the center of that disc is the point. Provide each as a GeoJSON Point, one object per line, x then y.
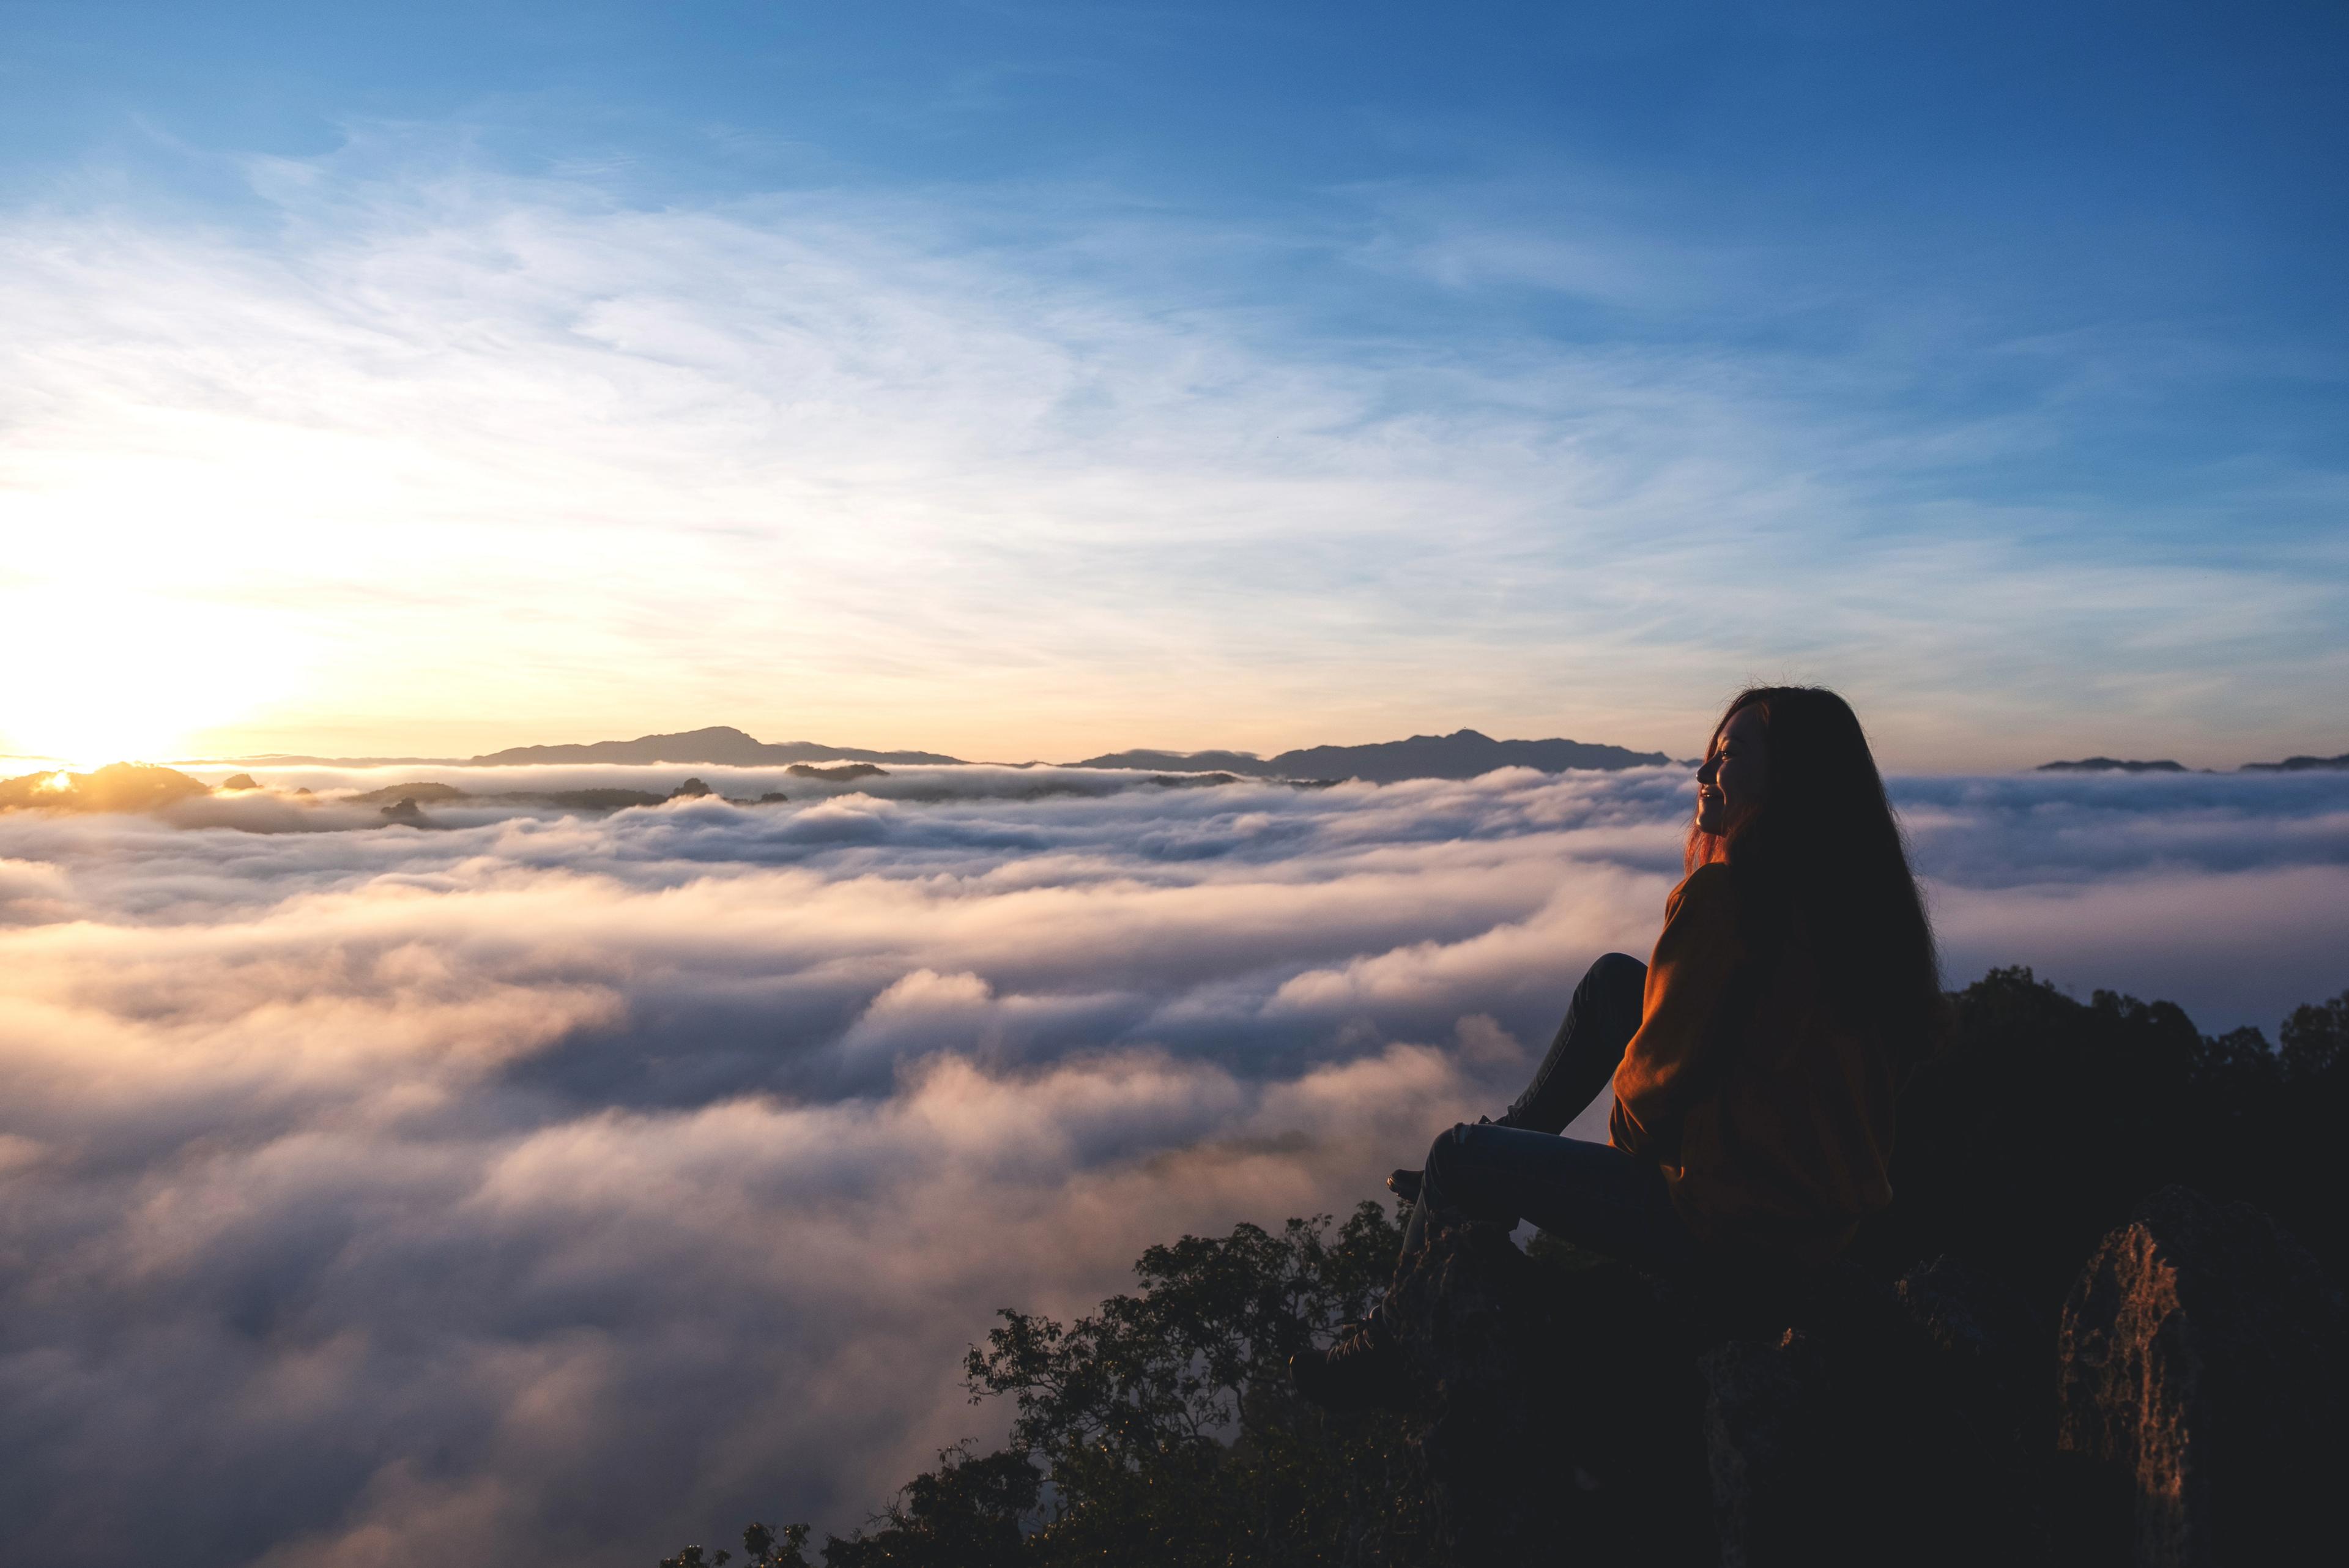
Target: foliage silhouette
{"type": "Point", "coordinates": [2045, 1119]}
{"type": "Point", "coordinates": [1161, 1431]}
{"type": "Point", "coordinates": [763, 1546]}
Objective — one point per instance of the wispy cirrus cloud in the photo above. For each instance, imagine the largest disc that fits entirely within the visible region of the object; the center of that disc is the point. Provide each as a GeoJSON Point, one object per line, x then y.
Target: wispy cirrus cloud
{"type": "Point", "coordinates": [564, 462]}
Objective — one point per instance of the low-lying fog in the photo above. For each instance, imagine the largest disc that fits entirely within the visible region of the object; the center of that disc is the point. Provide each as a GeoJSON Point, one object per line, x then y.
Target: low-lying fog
{"type": "Point", "coordinates": [543, 1183]}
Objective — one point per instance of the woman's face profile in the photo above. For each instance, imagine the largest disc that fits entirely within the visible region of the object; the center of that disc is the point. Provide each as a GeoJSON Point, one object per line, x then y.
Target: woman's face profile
{"type": "Point", "coordinates": [1737, 770]}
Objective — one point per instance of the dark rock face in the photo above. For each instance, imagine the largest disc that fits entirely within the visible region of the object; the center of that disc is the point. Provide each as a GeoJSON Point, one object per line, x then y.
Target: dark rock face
{"type": "Point", "coordinates": [1882, 1424]}
{"type": "Point", "coordinates": [1480, 1337]}
{"type": "Point", "coordinates": [1569, 1409]}
{"type": "Point", "coordinates": [1765, 1444]}
{"type": "Point", "coordinates": [2201, 1376]}
{"type": "Point", "coordinates": [1557, 1416]}
{"type": "Point", "coordinates": [2184, 1413]}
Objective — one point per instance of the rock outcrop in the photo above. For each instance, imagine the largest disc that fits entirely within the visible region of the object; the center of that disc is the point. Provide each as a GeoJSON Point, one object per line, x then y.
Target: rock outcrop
{"type": "Point", "coordinates": [846, 772]}
{"type": "Point", "coordinates": [1568, 1408]}
{"type": "Point", "coordinates": [419, 790]}
{"type": "Point", "coordinates": [2201, 1379]}
{"type": "Point", "coordinates": [586, 799]}
{"type": "Point", "coordinates": [1880, 1424]}
{"type": "Point", "coordinates": [1484, 1341]}
{"type": "Point", "coordinates": [405, 813]}
{"type": "Point", "coordinates": [1558, 1407]}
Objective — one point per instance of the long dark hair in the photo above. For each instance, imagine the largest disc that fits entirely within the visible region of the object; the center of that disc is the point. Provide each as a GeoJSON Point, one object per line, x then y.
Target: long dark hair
{"type": "Point", "coordinates": [1823, 853]}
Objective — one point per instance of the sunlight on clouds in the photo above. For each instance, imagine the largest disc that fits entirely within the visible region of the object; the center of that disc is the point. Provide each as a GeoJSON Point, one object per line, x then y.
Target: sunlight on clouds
{"type": "Point", "coordinates": [543, 1184]}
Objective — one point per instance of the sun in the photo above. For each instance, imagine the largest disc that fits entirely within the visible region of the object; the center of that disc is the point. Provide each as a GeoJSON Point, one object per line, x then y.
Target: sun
{"type": "Point", "coordinates": [126, 678]}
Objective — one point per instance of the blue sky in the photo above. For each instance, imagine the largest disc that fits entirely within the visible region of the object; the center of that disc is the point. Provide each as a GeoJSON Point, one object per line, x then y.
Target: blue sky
{"type": "Point", "coordinates": [1029, 378]}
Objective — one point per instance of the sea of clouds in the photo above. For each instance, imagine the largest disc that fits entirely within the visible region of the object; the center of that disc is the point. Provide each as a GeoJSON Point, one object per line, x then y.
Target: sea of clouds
{"type": "Point", "coordinates": [538, 1184]}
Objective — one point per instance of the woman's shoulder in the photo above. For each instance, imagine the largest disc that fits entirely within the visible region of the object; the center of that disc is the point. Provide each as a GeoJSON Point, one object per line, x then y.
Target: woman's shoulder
{"type": "Point", "coordinates": [1706, 884]}
{"type": "Point", "coordinates": [1701, 927]}
{"type": "Point", "coordinates": [1704, 894]}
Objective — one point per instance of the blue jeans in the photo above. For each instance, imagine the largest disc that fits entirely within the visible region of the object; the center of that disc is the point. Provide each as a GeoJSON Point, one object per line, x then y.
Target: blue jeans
{"type": "Point", "coordinates": [1591, 1194]}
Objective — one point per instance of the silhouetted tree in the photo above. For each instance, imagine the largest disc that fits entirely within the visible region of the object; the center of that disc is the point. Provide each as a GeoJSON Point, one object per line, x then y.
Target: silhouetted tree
{"type": "Point", "coordinates": [1166, 1421]}
{"type": "Point", "coordinates": [2043, 1119]}
{"type": "Point", "coordinates": [1161, 1432]}
{"type": "Point", "coordinates": [764, 1548]}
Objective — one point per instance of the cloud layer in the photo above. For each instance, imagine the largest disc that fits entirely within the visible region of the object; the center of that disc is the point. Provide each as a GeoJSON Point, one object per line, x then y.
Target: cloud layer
{"type": "Point", "coordinates": [581, 1184]}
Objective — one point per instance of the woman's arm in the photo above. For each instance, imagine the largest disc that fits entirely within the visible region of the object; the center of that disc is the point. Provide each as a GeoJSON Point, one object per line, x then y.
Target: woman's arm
{"type": "Point", "coordinates": [1669, 1065]}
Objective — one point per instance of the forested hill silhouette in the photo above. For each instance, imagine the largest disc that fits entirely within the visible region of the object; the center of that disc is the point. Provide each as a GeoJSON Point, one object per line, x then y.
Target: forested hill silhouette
{"type": "Point", "coordinates": [1462, 754]}
{"type": "Point", "coordinates": [2299, 764]}
{"type": "Point", "coordinates": [2095, 1190]}
{"type": "Point", "coordinates": [720, 743]}
{"type": "Point", "coordinates": [2165, 765]}
{"type": "Point", "coordinates": [2114, 765]}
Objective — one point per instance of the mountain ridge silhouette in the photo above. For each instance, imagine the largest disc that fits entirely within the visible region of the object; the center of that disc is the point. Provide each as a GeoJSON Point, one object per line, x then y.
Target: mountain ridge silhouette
{"type": "Point", "coordinates": [1464, 754]}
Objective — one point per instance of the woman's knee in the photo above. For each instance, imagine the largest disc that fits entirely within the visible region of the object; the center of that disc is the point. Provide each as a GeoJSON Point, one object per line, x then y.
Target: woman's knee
{"type": "Point", "coordinates": [1614, 973]}
{"type": "Point", "coordinates": [1451, 1168]}
{"type": "Point", "coordinates": [1615, 987]}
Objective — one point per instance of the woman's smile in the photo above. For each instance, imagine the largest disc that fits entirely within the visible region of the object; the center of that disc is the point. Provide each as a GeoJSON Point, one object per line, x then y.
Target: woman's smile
{"type": "Point", "coordinates": [1736, 771]}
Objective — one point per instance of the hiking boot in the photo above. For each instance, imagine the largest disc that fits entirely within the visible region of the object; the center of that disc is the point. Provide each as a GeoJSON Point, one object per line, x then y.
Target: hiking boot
{"type": "Point", "coordinates": [1361, 1371]}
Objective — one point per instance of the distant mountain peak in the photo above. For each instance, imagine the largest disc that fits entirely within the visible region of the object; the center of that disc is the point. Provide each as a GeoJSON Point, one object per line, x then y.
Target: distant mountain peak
{"type": "Point", "coordinates": [2299, 764]}
{"type": "Point", "coordinates": [716, 744]}
{"type": "Point", "coordinates": [1462, 754]}
{"type": "Point", "coordinates": [2112, 765]}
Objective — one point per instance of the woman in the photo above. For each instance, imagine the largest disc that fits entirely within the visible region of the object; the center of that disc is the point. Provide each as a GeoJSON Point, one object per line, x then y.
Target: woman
{"type": "Point", "coordinates": [1754, 1059]}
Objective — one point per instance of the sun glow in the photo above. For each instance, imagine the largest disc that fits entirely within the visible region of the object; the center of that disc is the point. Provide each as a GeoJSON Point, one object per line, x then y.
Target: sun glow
{"type": "Point", "coordinates": [129, 678]}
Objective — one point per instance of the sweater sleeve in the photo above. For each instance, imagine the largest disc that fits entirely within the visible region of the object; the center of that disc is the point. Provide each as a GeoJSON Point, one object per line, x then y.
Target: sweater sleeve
{"type": "Point", "coordinates": [1669, 1065]}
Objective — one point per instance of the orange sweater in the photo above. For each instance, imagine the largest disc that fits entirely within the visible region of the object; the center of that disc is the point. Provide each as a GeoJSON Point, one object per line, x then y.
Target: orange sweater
{"type": "Point", "coordinates": [1771, 1122]}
